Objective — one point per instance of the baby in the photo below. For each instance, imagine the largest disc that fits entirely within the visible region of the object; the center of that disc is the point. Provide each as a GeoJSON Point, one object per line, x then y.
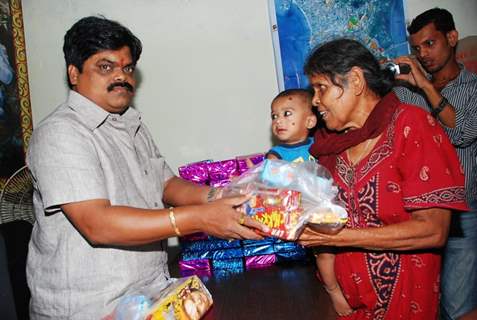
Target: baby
{"type": "Point", "coordinates": [292, 120]}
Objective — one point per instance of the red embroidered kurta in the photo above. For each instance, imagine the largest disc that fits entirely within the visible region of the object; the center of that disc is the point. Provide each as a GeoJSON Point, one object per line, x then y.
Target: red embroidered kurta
{"type": "Point", "coordinates": [412, 166]}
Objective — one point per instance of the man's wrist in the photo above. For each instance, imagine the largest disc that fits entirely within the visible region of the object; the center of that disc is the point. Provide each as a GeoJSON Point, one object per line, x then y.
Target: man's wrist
{"type": "Point", "coordinates": [438, 109]}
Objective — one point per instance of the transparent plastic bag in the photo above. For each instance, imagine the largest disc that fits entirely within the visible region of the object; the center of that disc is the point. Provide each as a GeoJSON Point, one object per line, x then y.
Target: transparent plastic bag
{"type": "Point", "coordinates": [288, 195]}
{"type": "Point", "coordinates": [178, 299]}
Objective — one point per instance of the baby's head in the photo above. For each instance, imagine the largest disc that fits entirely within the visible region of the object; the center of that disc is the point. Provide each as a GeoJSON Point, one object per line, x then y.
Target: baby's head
{"type": "Point", "coordinates": [292, 115]}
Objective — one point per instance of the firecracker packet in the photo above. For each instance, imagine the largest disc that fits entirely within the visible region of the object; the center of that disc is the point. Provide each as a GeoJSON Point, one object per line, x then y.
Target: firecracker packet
{"type": "Point", "coordinates": [286, 196]}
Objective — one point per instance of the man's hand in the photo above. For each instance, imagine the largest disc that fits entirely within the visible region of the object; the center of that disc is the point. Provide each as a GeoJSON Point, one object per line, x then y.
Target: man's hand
{"type": "Point", "coordinates": [220, 218]}
{"type": "Point", "coordinates": [417, 76]}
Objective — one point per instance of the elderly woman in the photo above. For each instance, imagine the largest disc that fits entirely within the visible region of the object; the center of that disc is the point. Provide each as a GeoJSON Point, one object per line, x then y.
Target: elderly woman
{"type": "Point", "coordinates": [398, 176]}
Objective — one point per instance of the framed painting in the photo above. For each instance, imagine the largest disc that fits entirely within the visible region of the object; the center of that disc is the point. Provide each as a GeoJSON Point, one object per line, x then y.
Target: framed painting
{"type": "Point", "coordinates": [300, 25]}
{"type": "Point", "coordinates": [15, 109]}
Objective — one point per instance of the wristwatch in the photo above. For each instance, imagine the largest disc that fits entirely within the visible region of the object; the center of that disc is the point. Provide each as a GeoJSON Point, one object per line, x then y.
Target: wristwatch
{"type": "Point", "coordinates": [442, 104]}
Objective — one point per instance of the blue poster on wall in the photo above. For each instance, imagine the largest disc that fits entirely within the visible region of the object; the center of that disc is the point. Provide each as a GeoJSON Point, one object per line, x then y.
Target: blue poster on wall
{"type": "Point", "coordinates": [299, 25]}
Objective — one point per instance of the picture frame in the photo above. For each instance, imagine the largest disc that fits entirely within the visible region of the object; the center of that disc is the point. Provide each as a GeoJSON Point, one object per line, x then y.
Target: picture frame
{"type": "Point", "coordinates": [298, 26]}
{"type": "Point", "coordinates": [15, 108]}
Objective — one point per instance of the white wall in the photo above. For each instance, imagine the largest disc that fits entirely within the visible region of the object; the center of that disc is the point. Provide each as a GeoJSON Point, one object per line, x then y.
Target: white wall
{"type": "Point", "coordinates": [207, 71]}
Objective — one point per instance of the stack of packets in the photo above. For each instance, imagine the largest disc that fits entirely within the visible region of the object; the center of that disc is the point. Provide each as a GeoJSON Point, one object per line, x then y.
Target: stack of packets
{"type": "Point", "coordinates": [219, 173]}
{"type": "Point", "coordinates": [204, 255]}
{"type": "Point", "coordinates": [179, 299]}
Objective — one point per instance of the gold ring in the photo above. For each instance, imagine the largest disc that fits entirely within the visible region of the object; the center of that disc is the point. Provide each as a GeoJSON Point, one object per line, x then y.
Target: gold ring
{"type": "Point", "coordinates": [242, 219]}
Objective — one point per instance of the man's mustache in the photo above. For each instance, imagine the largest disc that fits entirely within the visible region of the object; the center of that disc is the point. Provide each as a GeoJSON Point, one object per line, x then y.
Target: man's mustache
{"type": "Point", "coordinates": [124, 84]}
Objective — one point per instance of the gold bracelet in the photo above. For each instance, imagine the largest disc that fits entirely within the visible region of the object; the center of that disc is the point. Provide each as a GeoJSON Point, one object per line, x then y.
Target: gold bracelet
{"type": "Point", "coordinates": [173, 221]}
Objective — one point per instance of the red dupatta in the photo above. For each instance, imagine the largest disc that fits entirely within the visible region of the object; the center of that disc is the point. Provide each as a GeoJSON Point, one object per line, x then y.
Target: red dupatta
{"type": "Point", "coordinates": [329, 144]}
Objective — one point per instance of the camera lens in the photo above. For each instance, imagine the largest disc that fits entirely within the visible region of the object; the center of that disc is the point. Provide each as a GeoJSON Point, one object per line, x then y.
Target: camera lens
{"type": "Point", "coordinates": [396, 69]}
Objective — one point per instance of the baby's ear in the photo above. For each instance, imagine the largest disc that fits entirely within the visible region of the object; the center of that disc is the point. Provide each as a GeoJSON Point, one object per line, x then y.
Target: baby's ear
{"type": "Point", "coordinates": [311, 121]}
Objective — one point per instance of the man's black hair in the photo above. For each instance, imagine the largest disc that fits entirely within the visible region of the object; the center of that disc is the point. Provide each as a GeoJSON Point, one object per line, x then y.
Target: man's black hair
{"type": "Point", "coordinates": [94, 34]}
{"type": "Point", "coordinates": [442, 19]}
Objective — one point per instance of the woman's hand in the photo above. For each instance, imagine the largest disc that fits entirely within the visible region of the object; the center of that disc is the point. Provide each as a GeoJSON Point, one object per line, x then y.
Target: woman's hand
{"type": "Point", "coordinates": [310, 237]}
{"type": "Point", "coordinates": [427, 228]}
{"type": "Point", "coordinates": [221, 219]}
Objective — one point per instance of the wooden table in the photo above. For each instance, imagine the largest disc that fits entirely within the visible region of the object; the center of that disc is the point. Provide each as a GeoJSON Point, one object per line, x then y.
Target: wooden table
{"type": "Point", "coordinates": [278, 292]}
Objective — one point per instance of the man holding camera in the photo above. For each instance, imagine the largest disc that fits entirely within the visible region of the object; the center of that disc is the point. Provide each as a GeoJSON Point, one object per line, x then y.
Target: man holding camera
{"type": "Point", "coordinates": [444, 87]}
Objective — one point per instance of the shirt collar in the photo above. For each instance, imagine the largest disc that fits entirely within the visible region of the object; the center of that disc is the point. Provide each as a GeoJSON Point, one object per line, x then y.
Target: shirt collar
{"type": "Point", "coordinates": [463, 77]}
{"type": "Point", "coordinates": [94, 116]}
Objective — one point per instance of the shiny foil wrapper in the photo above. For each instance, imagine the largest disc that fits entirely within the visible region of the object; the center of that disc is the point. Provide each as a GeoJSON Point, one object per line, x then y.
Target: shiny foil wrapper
{"type": "Point", "coordinates": [222, 170]}
{"type": "Point", "coordinates": [209, 244]}
{"type": "Point", "coordinates": [296, 255]}
{"type": "Point", "coordinates": [261, 261]}
{"type": "Point", "coordinates": [243, 162]}
{"type": "Point", "coordinates": [197, 264]}
{"type": "Point", "coordinates": [223, 274]}
{"type": "Point", "coordinates": [200, 273]}
{"type": "Point", "coordinates": [285, 246]}
{"type": "Point", "coordinates": [213, 254]}
{"type": "Point", "coordinates": [267, 240]}
{"type": "Point", "coordinates": [196, 172]}
{"type": "Point", "coordinates": [228, 264]}
{"type": "Point", "coordinates": [252, 250]}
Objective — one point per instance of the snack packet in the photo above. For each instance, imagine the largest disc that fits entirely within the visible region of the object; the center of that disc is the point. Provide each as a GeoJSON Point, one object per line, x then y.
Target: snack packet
{"type": "Point", "coordinates": [180, 299]}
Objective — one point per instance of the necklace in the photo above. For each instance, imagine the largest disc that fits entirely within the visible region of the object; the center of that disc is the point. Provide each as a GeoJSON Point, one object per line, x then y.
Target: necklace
{"type": "Point", "coordinates": [361, 155]}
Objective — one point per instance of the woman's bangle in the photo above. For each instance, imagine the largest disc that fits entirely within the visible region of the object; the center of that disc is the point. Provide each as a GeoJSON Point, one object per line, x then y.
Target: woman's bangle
{"type": "Point", "coordinates": [330, 289]}
{"type": "Point", "coordinates": [172, 218]}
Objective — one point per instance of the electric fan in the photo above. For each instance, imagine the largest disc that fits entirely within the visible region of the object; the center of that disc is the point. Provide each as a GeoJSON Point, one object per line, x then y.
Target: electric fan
{"type": "Point", "coordinates": [16, 198]}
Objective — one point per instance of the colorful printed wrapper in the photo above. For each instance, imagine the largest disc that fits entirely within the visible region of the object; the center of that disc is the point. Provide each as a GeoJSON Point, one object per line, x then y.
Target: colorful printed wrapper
{"type": "Point", "coordinates": [213, 254]}
{"type": "Point", "coordinates": [251, 250]}
{"type": "Point", "coordinates": [261, 261]}
{"type": "Point", "coordinates": [210, 244]}
{"type": "Point", "coordinates": [195, 172]}
{"type": "Point", "coordinates": [174, 300]}
{"type": "Point", "coordinates": [243, 162]}
{"type": "Point", "coordinates": [279, 209]}
{"type": "Point", "coordinates": [222, 170]}
{"type": "Point", "coordinates": [171, 304]}
{"type": "Point", "coordinates": [228, 264]}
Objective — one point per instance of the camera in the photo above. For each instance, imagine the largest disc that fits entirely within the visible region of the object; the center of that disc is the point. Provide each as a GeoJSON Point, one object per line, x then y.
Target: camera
{"type": "Point", "coordinates": [396, 69]}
